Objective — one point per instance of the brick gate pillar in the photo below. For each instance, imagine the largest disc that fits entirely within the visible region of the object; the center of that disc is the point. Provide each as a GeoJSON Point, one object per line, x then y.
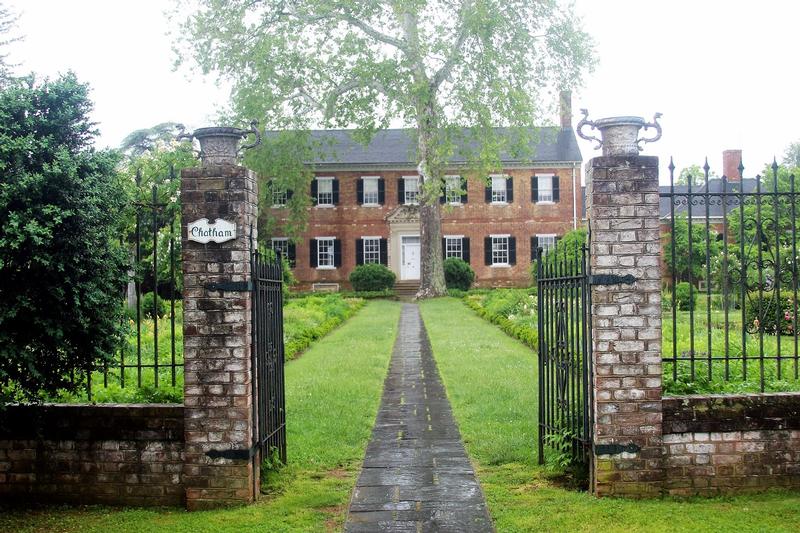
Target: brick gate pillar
{"type": "Point", "coordinates": [622, 208]}
{"type": "Point", "coordinates": [218, 400]}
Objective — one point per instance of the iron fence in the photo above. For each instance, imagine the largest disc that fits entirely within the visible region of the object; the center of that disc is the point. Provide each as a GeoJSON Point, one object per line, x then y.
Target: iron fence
{"type": "Point", "coordinates": [151, 351]}
{"type": "Point", "coordinates": [731, 251]}
{"type": "Point", "coordinates": [564, 355]}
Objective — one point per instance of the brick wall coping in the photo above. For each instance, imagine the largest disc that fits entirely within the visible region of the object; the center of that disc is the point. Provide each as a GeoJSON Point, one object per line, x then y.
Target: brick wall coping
{"type": "Point", "coordinates": [92, 422]}
{"type": "Point", "coordinates": [740, 412]}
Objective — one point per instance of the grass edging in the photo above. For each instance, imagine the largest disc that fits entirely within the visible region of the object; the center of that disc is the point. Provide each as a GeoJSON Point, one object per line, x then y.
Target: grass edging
{"type": "Point", "coordinates": [528, 336]}
{"type": "Point", "coordinates": [298, 345]}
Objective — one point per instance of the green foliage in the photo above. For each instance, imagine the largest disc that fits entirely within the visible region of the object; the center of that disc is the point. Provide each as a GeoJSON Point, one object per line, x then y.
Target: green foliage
{"type": "Point", "coordinates": [685, 297]}
{"type": "Point", "coordinates": [770, 314]}
{"type": "Point", "coordinates": [683, 263]}
{"type": "Point", "coordinates": [310, 318]}
{"type": "Point", "coordinates": [696, 174]}
{"type": "Point", "coordinates": [513, 310]}
{"type": "Point", "coordinates": [62, 271]}
{"type": "Point", "coordinates": [8, 22]}
{"type": "Point", "coordinates": [147, 305]}
{"type": "Point", "coordinates": [372, 277]}
{"type": "Point", "coordinates": [458, 274]}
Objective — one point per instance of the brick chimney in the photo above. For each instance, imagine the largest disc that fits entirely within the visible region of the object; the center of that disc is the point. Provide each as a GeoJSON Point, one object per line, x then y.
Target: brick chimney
{"type": "Point", "coordinates": [565, 109]}
{"type": "Point", "coordinates": [731, 159]}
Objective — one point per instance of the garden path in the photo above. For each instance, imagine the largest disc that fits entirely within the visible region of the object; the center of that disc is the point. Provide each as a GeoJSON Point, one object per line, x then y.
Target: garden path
{"type": "Point", "coordinates": [416, 475]}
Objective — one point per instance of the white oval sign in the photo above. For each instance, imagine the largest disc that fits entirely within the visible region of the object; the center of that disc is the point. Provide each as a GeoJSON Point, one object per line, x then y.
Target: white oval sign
{"type": "Point", "coordinates": [204, 231]}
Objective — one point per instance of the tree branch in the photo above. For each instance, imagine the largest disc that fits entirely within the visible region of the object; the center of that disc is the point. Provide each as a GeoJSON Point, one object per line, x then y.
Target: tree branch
{"type": "Point", "coordinates": [349, 86]}
{"type": "Point", "coordinates": [372, 32]}
{"type": "Point", "coordinates": [445, 70]}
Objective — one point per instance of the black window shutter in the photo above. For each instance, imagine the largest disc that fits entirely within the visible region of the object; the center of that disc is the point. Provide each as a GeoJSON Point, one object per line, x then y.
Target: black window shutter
{"type": "Point", "coordinates": [314, 191]}
{"type": "Point", "coordinates": [384, 251]}
{"type": "Point", "coordinates": [401, 191]}
{"type": "Point", "coordinates": [487, 250]}
{"type": "Point", "coordinates": [312, 258]}
{"type": "Point", "coordinates": [534, 189]}
{"type": "Point", "coordinates": [488, 192]}
{"type": "Point", "coordinates": [443, 196]}
{"type": "Point", "coordinates": [289, 194]}
{"type": "Point", "coordinates": [464, 188]}
{"type": "Point", "coordinates": [292, 253]}
{"type": "Point", "coordinates": [534, 246]}
{"type": "Point", "coordinates": [381, 191]}
{"type": "Point", "coordinates": [337, 253]}
{"type": "Point", "coordinates": [509, 189]}
{"type": "Point", "coordinates": [359, 251]}
{"type": "Point", "coordinates": [512, 250]}
{"type": "Point", "coordinates": [444, 248]}
{"type": "Point", "coordinates": [360, 190]}
{"type": "Point", "coordinates": [335, 187]}
{"type": "Point", "coordinates": [465, 249]}
{"type": "Point", "coordinates": [556, 195]}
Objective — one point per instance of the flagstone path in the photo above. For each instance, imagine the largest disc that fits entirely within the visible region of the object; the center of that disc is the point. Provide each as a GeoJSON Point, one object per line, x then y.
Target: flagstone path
{"type": "Point", "coordinates": [416, 475]}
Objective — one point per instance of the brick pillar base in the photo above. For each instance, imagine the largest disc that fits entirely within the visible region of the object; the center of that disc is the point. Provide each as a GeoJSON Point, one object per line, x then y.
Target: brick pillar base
{"type": "Point", "coordinates": [216, 339]}
{"type": "Point", "coordinates": [623, 207]}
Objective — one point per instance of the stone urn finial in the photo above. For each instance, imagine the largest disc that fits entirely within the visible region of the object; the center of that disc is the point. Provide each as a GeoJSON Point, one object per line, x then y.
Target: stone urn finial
{"type": "Point", "coordinates": [220, 145]}
{"type": "Point", "coordinates": [619, 136]}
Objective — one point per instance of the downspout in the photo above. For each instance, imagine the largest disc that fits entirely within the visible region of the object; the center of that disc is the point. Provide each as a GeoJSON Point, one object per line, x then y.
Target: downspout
{"type": "Point", "coordinates": [574, 199]}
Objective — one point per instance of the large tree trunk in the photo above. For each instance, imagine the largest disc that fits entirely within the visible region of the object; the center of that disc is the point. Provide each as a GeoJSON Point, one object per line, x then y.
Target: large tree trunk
{"type": "Point", "coordinates": [430, 216]}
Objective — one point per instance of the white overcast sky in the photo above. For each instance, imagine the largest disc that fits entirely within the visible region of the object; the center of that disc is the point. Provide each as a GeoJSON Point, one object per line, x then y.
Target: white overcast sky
{"type": "Point", "coordinates": [723, 72]}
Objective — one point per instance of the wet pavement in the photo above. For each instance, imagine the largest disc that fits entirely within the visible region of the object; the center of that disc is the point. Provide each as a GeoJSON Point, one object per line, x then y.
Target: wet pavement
{"type": "Point", "coordinates": [416, 475]}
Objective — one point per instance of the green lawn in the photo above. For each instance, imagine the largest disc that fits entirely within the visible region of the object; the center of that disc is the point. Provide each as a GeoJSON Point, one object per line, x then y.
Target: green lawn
{"type": "Point", "coordinates": [332, 397]}
{"type": "Point", "coordinates": [491, 383]}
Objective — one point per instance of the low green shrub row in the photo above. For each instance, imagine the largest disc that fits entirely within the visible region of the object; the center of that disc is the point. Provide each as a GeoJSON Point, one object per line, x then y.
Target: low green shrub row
{"type": "Point", "coordinates": [310, 318]}
{"type": "Point", "coordinates": [512, 310]}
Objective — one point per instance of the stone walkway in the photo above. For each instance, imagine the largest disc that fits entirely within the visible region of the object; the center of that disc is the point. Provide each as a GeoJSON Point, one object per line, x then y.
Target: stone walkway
{"type": "Point", "coordinates": [416, 474]}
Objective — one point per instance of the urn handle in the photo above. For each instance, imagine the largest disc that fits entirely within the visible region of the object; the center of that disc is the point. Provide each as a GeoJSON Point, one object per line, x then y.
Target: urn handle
{"type": "Point", "coordinates": [657, 127]}
{"type": "Point", "coordinates": [254, 130]}
{"type": "Point", "coordinates": [586, 122]}
{"type": "Point", "coordinates": [183, 135]}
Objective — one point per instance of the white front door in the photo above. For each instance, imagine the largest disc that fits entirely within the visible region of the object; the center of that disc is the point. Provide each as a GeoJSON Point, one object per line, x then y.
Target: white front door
{"type": "Point", "coordinates": [409, 266]}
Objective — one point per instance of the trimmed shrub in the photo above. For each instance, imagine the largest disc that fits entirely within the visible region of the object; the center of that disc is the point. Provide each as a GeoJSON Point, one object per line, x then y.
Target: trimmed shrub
{"type": "Point", "coordinates": [147, 305]}
{"type": "Point", "coordinates": [458, 274]}
{"type": "Point", "coordinates": [372, 277]}
{"type": "Point", "coordinates": [685, 297]}
{"type": "Point", "coordinates": [763, 313]}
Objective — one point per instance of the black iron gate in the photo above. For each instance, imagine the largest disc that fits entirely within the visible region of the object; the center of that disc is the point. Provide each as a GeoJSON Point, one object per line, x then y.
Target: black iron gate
{"type": "Point", "coordinates": [565, 380]}
{"type": "Point", "coordinates": [269, 407]}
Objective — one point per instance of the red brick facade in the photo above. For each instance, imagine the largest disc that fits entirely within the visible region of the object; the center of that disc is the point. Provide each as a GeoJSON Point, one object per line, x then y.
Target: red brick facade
{"type": "Point", "coordinates": [476, 219]}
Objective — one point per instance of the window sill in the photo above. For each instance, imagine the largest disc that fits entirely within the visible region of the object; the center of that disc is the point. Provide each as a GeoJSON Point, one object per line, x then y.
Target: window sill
{"type": "Point", "coordinates": [411, 203]}
{"type": "Point", "coordinates": [545, 202]}
{"type": "Point", "coordinates": [500, 265]}
{"type": "Point", "coordinates": [371, 205]}
{"type": "Point", "coordinates": [278, 206]}
{"type": "Point", "coordinates": [325, 206]}
{"type": "Point", "coordinates": [499, 203]}
{"type": "Point", "coordinates": [326, 268]}
{"type": "Point", "coordinates": [455, 204]}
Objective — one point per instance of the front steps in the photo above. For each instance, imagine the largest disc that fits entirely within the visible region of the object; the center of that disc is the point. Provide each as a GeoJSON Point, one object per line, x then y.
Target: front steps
{"type": "Point", "coordinates": [406, 288]}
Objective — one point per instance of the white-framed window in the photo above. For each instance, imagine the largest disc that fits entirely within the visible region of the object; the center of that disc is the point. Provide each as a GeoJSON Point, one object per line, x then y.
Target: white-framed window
{"type": "Point", "coordinates": [411, 188]}
{"type": "Point", "coordinates": [499, 193]}
{"type": "Point", "coordinates": [325, 255]}
{"type": "Point", "coordinates": [546, 242]}
{"type": "Point", "coordinates": [280, 245]}
{"type": "Point", "coordinates": [279, 196]}
{"type": "Point", "coordinates": [325, 191]}
{"type": "Point", "coordinates": [452, 189]}
{"type": "Point", "coordinates": [372, 249]}
{"type": "Point", "coordinates": [545, 188]}
{"type": "Point", "coordinates": [454, 246]}
{"type": "Point", "coordinates": [370, 190]}
{"type": "Point", "coordinates": [500, 249]}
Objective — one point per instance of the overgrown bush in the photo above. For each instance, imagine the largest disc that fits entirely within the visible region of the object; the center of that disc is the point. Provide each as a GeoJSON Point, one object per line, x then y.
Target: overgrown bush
{"type": "Point", "coordinates": [62, 269]}
{"type": "Point", "coordinates": [763, 313]}
{"type": "Point", "coordinates": [458, 274]}
{"type": "Point", "coordinates": [372, 277]}
{"type": "Point", "coordinates": [147, 305]}
{"type": "Point", "coordinates": [312, 317]}
{"type": "Point", "coordinates": [513, 310]}
{"type": "Point", "coordinates": [685, 296]}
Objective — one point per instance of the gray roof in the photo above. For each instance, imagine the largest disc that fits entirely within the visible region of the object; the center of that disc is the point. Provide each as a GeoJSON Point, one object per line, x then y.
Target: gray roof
{"type": "Point", "coordinates": [397, 147]}
{"type": "Point", "coordinates": [715, 205]}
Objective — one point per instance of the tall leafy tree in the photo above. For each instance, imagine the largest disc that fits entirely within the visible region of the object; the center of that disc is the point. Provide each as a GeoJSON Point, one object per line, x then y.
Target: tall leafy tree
{"type": "Point", "coordinates": [685, 262]}
{"type": "Point", "coordinates": [436, 66]}
{"type": "Point", "coordinates": [694, 173]}
{"type": "Point", "coordinates": [62, 271]}
{"type": "Point", "coordinates": [8, 22]}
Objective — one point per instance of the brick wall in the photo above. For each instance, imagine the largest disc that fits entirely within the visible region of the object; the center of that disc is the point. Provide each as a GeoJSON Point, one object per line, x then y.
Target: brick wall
{"type": "Point", "coordinates": [476, 219]}
{"type": "Point", "coordinates": [724, 444]}
{"type": "Point", "coordinates": [89, 454]}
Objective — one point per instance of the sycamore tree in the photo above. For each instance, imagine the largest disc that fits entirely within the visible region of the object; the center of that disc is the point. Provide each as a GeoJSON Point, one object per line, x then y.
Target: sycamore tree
{"type": "Point", "coordinates": [438, 67]}
{"type": "Point", "coordinates": [694, 173]}
{"type": "Point", "coordinates": [8, 22]}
